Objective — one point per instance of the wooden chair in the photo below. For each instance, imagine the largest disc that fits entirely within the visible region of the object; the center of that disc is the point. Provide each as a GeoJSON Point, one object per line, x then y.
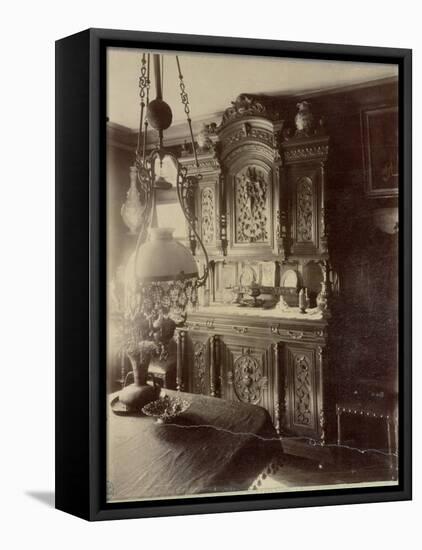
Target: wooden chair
{"type": "Point", "coordinates": [377, 405]}
{"type": "Point", "coordinates": [164, 372]}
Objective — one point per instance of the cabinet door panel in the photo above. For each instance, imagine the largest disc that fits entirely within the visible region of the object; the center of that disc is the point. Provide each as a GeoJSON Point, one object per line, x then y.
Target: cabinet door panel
{"type": "Point", "coordinates": [304, 182]}
{"type": "Point", "coordinates": [208, 213]}
{"type": "Point", "coordinates": [250, 207]}
{"type": "Point", "coordinates": [247, 373]}
{"type": "Point", "coordinates": [301, 390]}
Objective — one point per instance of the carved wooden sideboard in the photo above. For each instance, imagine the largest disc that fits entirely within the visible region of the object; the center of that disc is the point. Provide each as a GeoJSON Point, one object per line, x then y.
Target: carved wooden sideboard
{"type": "Point", "coordinates": [261, 205]}
{"type": "Point", "coordinates": [275, 362]}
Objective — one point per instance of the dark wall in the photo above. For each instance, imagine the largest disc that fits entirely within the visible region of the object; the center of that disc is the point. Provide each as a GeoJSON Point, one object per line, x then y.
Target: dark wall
{"type": "Point", "coordinates": [365, 315]}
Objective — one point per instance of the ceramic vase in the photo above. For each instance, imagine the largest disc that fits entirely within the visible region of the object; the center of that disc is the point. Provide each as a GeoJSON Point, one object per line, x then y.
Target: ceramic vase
{"type": "Point", "coordinates": [304, 119]}
{"type": "Point", "coordinates": [322, 298]}
{"type": "Point", "coordinates": [137, 395]}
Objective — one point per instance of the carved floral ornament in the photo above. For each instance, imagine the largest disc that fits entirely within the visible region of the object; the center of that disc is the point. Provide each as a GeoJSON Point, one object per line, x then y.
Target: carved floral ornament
{"type": "Point", "coordinates": [249, 380]}
{"type": "Point", "coordinates": [306, 152]}
{"type": "Point", "coordinates": [303, 390]}
{"type": "Point", "coordinates": [251, 188]}
{"type": "Point", "coordinates": [244, 105]}
{"type": "Point", "coordinates": [200, 367]}
{"type": "Point", "coordinates": [305, 122]}
{"type": "Point", "coordinates": [304, 209]}
{"type": "Point", "coordinates": [247, 131]}
{"type": "Point", "coordinates": [206, 163]}
{"type": "Point", "coordinates": [269, 128]}
{"type": "Point", "coordinates": [207, 215]}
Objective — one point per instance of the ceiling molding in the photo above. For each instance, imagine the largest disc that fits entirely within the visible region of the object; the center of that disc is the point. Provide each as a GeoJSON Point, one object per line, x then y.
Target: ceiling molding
{"type": "Point", "coordinates": [121, 137]}
{"type": "Point", "coordinates": [345, 89]}
{"type": "Point", "coordinates": [126, 138]}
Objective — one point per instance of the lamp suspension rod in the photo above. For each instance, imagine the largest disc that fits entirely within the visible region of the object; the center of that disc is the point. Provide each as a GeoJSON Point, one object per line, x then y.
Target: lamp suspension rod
{"type": "Point", "coordinates": [146, 120]}
{"type": "Point", "coordinates": [162, 74]}
{"type": "Point", "coordinates": [157, 71]}
{"type": "Point", "coordinates": [185, 101]}
{"type": "Point", "coordinates": [158, 88]}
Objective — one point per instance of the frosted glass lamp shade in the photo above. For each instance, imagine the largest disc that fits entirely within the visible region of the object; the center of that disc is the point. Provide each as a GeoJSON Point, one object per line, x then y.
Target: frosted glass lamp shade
{"type": "Point", "coordinates": [164, 259]}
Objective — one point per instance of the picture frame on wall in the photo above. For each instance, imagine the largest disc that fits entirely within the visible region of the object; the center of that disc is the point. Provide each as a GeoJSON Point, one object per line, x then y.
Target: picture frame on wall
{"type": "Point", "coordinates": [381, 151]}
{"type": "Point", "coordinates": [189, 379]}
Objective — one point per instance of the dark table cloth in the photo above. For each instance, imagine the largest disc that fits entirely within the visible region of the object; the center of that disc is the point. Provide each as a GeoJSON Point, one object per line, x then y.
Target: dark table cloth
{"type": "Point", "coordinates": [215, 446]}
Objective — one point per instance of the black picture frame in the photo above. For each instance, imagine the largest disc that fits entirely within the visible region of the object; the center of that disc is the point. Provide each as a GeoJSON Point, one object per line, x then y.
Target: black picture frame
{"type": "Point", "coordinates": [381, 162]}
{"type": "Point", "coordinates": [80, 274]}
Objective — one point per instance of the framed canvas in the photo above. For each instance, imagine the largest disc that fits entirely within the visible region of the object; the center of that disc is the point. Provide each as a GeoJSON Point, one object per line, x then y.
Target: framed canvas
{"type": "Point", "coordinates": [233, 317]}
{"type": "Point", "coordinates": [381, 151]}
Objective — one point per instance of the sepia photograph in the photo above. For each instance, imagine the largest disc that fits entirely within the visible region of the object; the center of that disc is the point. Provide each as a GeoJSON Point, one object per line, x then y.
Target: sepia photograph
{"type": "Point", "coordinates": [208, 274]}
{"type": "Point", "coordinates": [252, 274]}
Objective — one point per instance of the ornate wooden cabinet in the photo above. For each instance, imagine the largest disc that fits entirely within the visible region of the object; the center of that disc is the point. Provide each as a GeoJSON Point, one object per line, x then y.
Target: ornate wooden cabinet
{"type": "Point", "coordinates": [265, 360]}
{"type": "Point", "coordinates": [261, 203]}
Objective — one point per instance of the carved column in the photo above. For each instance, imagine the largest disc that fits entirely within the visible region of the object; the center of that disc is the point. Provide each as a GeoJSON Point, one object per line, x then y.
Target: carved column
{"type": "Point", "coordinates": [321, 403]}
{"type": "Point", "coordinates": [181, 356]}
{"type": "Point", "coordinates": [281, 215]}
{"type": "Point", "coordinates": [211, 279]}
{"type": "Point", "coordinates": [323, 223]}
{"type": "Point", "coordinates": [190, 203]}
{"type": "Point", "coordinates": [199, 368]}
{"type": "Point", "coordinates": [223, 216]}
{"type": "Point", "coordinates": [217, 355]}
{"type": "Point", "coordinates": [214, 362]}
{"type": "Point", "coordinates": [284, 246]}
{"type": "Point", "coordinates": [277, 388]}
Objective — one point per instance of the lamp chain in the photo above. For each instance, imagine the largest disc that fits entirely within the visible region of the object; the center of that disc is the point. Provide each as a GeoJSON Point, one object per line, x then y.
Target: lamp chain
{"type": "Point", "coordinates": [142, 86]}
{"type": "Point", "coordinates": [185, 101]}
{"type": "Point", "coordinates": [143, 167]}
